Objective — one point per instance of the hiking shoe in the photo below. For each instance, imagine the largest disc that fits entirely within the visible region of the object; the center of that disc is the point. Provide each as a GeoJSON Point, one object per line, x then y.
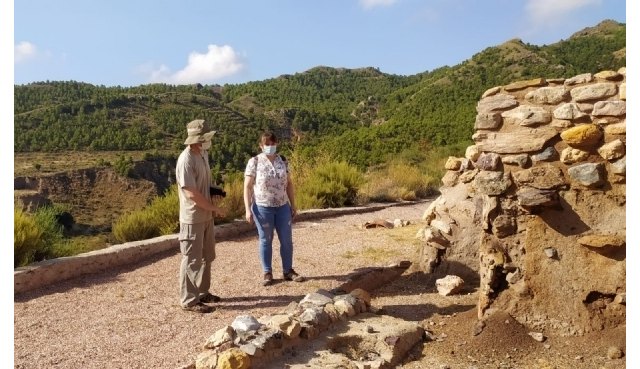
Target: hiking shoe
{"type": "Point", "coordinates": [209, 298]}
{"type": "Point", "coordinates": [268, 279]}
{"type": "Point", "coordinates": [199, 308]}
{"type": "Point", "coordinates": [293, 276]}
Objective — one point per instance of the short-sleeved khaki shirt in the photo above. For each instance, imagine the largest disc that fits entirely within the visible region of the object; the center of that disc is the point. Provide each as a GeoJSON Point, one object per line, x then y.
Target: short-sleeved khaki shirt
{"type": "Point", "coordinates": [192, 170]}
{"type": "Point", "coordinates": [270, 187]}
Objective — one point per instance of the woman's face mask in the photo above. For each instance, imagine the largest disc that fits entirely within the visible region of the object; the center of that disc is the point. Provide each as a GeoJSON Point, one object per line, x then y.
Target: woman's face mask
{"type": "Point", "coordinates": [206, 145]}
{"type": "Point", "coordinates": [269, 149]}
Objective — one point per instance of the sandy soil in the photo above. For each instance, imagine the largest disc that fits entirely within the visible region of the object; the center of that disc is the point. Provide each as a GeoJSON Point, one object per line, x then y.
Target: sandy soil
{"type": "Point", "coordinates": [130, 317]}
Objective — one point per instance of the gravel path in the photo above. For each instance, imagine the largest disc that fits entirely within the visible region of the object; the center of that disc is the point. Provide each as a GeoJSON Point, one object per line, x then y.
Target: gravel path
{"type": "Point", "coordinates": [130, 317]}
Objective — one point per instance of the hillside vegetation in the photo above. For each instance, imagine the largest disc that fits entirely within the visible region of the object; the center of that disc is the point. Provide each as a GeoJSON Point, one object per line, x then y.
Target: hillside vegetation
{"type": "Point", "coordinates": [362, 116]}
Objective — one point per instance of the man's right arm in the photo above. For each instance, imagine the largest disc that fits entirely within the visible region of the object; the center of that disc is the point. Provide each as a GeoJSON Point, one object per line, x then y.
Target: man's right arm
{"type": "Point", "coordinates": [201, 201]}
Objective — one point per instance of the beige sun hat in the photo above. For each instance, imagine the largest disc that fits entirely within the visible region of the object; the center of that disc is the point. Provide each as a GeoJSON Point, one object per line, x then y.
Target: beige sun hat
{"type": "Point", "coordinates": [198, 132]}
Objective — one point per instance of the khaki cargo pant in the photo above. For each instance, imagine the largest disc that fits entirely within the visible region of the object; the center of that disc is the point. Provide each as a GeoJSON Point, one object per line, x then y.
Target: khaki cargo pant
{"type": "Point", "coordinates": [197, 246]}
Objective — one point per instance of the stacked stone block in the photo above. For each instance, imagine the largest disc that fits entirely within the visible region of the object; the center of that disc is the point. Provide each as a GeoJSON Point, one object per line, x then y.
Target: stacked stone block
{"type": "Point", "coordinates": [546, 172]}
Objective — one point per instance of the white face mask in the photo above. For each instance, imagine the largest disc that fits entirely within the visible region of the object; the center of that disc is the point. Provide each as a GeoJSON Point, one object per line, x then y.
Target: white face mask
{"type": "Point", "coordinates": [206, 145]}
{"type": "Point", "coordinates": [269, 149]}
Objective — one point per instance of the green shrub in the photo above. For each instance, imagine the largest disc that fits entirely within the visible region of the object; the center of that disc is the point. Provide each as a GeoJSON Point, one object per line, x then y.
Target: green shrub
{"type": "Point", "coordinates": [332, 184]}
{"type": "Point", "coordinates": [233, 203]}
{"type": "Point", "coordinates": [158, 218]}
{"type": "Point", "coordinates": [26, 238]}
{"type": "Point", "coordinates": [166, 211]}
{"type": "Point", "coordinates": [37, 237]}
{"type": "Point", "coordinates": [136, 225]}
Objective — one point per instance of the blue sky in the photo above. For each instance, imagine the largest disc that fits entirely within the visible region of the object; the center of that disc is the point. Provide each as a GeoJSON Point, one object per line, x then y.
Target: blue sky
{"type": "Point", "coordinates": [133, 42]}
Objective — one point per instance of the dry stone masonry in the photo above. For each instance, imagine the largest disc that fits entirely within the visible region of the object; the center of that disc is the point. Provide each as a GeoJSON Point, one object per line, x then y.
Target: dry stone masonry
{"type": "Point", "coordinates": [253, 343]}
{"type": "Point", "coordinates": [534, 213]}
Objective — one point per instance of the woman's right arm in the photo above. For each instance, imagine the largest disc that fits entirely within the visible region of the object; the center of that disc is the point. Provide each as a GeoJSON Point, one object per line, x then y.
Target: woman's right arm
{"type": "Point", "coordinates": [248, 197]}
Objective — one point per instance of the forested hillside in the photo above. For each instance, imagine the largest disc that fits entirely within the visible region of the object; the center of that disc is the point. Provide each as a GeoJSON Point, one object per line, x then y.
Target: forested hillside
{"type": "Point", "coordinates": [360, 115]}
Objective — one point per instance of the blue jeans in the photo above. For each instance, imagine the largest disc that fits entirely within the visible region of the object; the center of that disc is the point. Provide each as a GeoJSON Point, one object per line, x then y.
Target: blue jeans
{"type": "Point", "coordinates": [266, 219]}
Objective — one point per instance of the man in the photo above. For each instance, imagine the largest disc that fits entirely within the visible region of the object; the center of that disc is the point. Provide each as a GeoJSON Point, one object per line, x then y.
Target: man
{"type": "Point", "coordinates": [197, 242]}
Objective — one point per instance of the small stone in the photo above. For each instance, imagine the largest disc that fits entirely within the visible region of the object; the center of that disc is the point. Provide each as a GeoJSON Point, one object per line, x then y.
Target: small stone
{"type": "Point", "coordinates": [537, 336]}
{"type": "Point", "coordinates": [550, 252]}
{"type": "Point", "coordinates": [478, 327]}
{"type": "Point", "coordinates": [614, 352]}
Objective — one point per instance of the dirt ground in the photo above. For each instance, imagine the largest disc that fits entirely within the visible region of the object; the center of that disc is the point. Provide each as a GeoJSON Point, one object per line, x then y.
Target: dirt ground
{"type": "Point", "coordinates": [503, 343]}
{"type": "Point", "coordinates": [129, 317]}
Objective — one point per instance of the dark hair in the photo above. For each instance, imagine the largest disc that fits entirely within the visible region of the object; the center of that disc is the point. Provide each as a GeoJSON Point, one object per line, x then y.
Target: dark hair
{"type": "Point", "coordinates": [267, 136]}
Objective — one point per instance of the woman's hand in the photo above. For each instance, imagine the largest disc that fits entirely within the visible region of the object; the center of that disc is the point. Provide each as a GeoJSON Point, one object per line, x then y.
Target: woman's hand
{"type": "Point", "coordinates": [248, 216]}
{"type": "Point", "coordinates": [294, 212]}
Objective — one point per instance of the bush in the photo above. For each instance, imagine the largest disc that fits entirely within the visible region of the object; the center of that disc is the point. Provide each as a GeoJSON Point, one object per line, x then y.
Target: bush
{"type": "Point", "coordinates": [397, 181]}
{"type": "Point", "coordinates": [37, 237]}
{"type": "Point", "coordinates": [158, 218]}
{"type": "Point", "coordinates": [233, 203]}
{"type": "Point", "coordinates": [332, 184]}
{"type": "Point", "coordinates": [136, 225]}
{"type": "Point", "coordinates": [26, 238]}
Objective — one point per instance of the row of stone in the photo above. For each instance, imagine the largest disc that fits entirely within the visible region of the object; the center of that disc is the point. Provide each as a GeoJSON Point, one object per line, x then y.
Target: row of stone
{"type": "Point", "coordinates": [248, 338]}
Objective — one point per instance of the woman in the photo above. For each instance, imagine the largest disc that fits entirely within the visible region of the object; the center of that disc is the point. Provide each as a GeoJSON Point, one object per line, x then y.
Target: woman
{"type": "Point", "coordinates": [269, 202]}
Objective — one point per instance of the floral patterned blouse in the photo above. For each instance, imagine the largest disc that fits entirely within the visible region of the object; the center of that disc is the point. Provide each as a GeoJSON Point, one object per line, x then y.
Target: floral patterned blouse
{"type": "Point", "coordinates": [270, 187]}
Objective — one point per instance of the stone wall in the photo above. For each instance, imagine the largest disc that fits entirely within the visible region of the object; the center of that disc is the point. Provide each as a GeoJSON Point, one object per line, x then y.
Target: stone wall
{"type": "Point", "coordinates": [534, 214]}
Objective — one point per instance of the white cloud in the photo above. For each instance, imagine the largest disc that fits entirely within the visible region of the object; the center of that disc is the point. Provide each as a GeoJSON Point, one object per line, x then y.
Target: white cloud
{"type": "Point", "coordinates": [548, 10]}
{"type": "Point", "coordinates": [368, 4]}
{"type": "Point", "coordinates": [219, 62]}
{"type": "Point", "coordinates": [24, 51]}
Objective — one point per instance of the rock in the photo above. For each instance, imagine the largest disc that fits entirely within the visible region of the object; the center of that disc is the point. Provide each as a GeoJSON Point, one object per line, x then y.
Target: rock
{"type": "Point", "coordinates": [361, 295]}
{"type": "Point", "coordinates": [614, 352]}
{"type": "Point", "coordinates": [622, 91]}
{"type": "Point", "coordinates": [588, 174]}
{"type": "Point", "coordinates": [519, 85]}
{"type": "Point", "coordinates": [245, 323]}
{"type": "Point", "coordinates": [568, 111]}
{"type": "Point", "coordinates": [609, 75]}
{"type": "Point", "coordinates": [517, 142]}
{"type": "Point", "coordinates": [492, 91]}
{"type": "Point", "coordinates": [226, 334]}
{"type": "Point", "coordinates": [472, 153]}
{"type": "Point", "coordinates": [579, 79]}
{"type": "Point", "coordinates": [449, 285]}
{"type": "Point", "coordinates": [616, 128]}
{"type": "Point", "coordinates": [612, 150]}
{"type": "Point", "coordinates": [537, 336]}
{"type": "Point", "coordinates": [615, 108]}
{"type": "Point", "coordinates": [319, 298]}
{"type": "Point", "coordinates": [531, 198]}
{"type": "Point", "coordinates": [207, 359]}
{"type": "Point", "coordinates": [582, 135]}
{"type": "Point", "coordinates": [450, 178]}
{"type": "Point", "coordinates": [504, 225]}
{"type": "Point", "coordinates": [452, 163]}
{"type": "Point", "coordinates": [619, 166]}
{"type": "Point", "coordinates": [620, 299]}
{"type": "Point", "coordinates": [542, 177]}
{"type": "Point", "coordinates": [496, 103]}
{"type": "Point", "coordinates": [488, 161]}
{"type": "Point", "coordinates": [478, 327]}
{"type": "Point", "coordinates": [491, 183]}
{"type": "Point", "coordinates": [491, 120]}
{"type": "Point", "coordinates": [344, 308]}
{"type": "Point", "coordinates": [547, 95]}
{"type": "Point", "coordinates": [550, 252]}
{"type": "Point", "coordinates": [548, 154]}
{"type": "Point", "coordinates": [526, 116]}
{"type": "Point", "coordinates": [441, 226]}
{"type": "Point", "coordinates": [594, 91]}
{"type": "Point", "coordinates": [435, 235]}
{"type": "Point", "coordinates": [521, 160]}
{"type": "Point", "coordinates": [234, 358]}
{"type": "Point", "coordinates": [602, 240]}
{"type": "Point", "coordinates": [570, 155]}
{"type": "Point", "coordinates": [468, 176]}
